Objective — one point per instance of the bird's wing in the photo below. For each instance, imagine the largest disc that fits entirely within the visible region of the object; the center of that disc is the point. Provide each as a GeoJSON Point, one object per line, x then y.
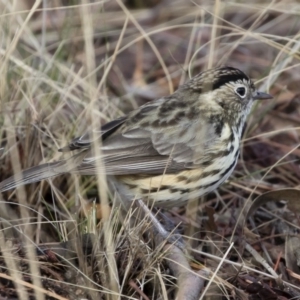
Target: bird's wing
{"type": "Point", "coordinates": [140, 146]}
{"type": "Point", "coordinates": [85, 141]}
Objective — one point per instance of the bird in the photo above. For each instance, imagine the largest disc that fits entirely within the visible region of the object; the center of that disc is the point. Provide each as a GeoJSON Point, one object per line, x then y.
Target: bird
{"type": "Point", "coordinates": [168, 151]}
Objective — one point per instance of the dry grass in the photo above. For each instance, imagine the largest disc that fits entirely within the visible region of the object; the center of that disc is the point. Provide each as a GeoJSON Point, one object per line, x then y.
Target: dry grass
{"type": "Point", "coordinates": [69, 65]}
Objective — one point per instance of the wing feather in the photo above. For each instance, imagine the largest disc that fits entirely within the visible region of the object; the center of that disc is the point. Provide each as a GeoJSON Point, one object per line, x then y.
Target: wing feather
{"type": "Point", "coordinates": [138, 147]}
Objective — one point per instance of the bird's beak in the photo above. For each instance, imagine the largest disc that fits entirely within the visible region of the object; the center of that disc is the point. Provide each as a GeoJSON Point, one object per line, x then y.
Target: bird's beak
{"type": "Point", "coordinates": [262, 96]}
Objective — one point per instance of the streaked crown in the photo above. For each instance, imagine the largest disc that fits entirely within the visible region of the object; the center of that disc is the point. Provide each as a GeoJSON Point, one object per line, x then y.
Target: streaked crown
{"type": "Point", "coordinates": [216, 78]}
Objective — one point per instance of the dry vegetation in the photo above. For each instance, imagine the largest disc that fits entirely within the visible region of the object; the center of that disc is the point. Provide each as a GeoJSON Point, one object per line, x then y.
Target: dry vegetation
{"type": "Point", "coordinates": [68, 65]}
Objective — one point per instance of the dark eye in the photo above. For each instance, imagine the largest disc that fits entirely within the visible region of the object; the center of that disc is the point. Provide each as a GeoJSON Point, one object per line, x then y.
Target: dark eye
{"type": "Point", "coordinates": [241, 91]}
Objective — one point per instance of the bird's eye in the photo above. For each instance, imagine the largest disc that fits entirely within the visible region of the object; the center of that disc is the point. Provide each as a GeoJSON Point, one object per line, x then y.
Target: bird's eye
{"type": "Point", "coordinates": [241, 91]}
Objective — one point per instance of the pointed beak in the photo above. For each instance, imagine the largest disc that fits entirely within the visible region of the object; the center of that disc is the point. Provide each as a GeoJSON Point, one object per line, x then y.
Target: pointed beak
{"type": "Point", "coordinates": [262, 96]}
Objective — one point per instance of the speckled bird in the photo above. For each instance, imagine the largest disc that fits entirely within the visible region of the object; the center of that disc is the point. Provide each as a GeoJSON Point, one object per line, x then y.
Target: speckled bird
{"type": "Point", "coordinates": [167, 151]}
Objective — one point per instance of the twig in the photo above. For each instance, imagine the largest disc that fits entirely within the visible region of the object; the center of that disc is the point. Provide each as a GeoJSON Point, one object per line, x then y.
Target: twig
{"type": "Point", "coordinates": [189, 283]}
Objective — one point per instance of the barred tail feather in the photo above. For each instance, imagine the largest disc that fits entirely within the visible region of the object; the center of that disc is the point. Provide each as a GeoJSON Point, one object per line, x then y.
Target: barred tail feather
{"type": "Point", "coordinates": [30, 175]}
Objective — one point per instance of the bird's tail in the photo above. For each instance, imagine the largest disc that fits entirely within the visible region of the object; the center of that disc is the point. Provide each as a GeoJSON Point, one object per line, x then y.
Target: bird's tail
{"type": "Point", "coordinates": [41, 172]}
{"type": "Point", "coordinates": [30, 175]}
